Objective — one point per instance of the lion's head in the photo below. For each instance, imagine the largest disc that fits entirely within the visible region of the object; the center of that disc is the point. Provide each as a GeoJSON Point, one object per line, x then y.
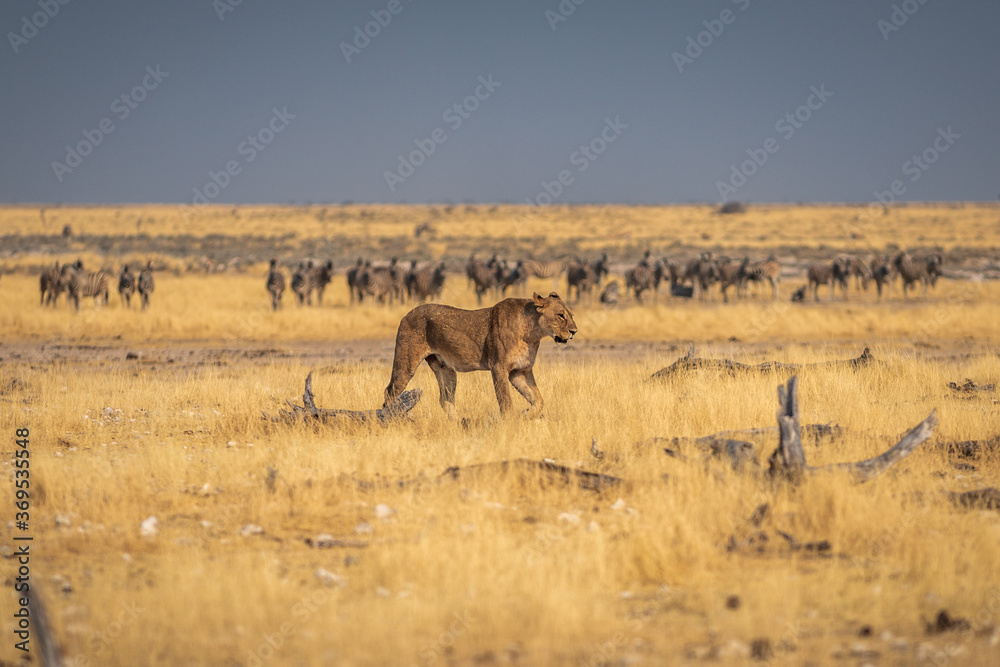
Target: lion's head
{"type": "Point", "coordinates": [555, 318]}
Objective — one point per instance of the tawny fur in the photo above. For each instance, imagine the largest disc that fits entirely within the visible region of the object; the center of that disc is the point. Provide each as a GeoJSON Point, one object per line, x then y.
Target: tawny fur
{"type": "Point", "coordinates": [502, 339]}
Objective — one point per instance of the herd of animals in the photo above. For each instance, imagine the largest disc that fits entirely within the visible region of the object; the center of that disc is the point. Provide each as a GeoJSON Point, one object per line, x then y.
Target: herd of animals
{"type": "Point", "coordinates": [78, 283]}
{"type": "Point", "coordinates": [396, 282]}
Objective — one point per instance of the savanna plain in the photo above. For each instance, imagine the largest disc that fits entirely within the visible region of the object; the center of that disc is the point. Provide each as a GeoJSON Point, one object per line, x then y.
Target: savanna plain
{"type": "Point", "coordinates": [281, 543]}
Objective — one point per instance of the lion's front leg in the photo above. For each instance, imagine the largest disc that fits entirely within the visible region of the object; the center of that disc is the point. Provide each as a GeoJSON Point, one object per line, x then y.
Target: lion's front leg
{"type": "Point", "coordinates": [524, 382]}
{"type": "Point", "coordinates": [501, 384]}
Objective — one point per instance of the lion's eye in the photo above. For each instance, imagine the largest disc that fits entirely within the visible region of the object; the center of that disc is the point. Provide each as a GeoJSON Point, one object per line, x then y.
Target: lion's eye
{"type": "Point", "coordinates": [561, 316]}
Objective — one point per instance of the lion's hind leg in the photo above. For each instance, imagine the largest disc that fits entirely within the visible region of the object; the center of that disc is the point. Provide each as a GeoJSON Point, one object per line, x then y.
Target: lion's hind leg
{"type": "Point", "coordinates": [447, 379]}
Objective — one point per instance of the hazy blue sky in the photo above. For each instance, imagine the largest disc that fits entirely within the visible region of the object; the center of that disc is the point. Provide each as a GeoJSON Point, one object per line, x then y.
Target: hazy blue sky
{"type": "Point", "coordinates": [673, 128]}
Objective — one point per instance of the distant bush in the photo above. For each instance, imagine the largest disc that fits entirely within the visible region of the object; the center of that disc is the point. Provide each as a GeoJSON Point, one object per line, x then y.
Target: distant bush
{"type": "Point", "coordinates": [732, 207]}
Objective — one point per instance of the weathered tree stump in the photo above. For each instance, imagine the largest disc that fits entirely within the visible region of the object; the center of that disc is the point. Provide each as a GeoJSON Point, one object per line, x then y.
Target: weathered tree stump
{"type": "Point", "coordinates": [308, 411]}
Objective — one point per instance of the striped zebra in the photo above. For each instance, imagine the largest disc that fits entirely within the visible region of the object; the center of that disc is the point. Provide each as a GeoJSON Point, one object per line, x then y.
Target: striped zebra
{"type": "Point", "coordinates": [84, 284]}
{"type": "Point", "coordinates": [126, 286]}
{"type": "Point", "coordinates": [829, 273]}
{"type": "Point", "coordinates": [539, 269]}
{"type": "Point", "coordinates": [732, 274]}
{"type": "Point", "coordinates": [377, 283]}
{"type": "Point", "coordinates": [426, 284]}
{"type": "Point", "coordinates": [275, 283]}
{"type": "Point", "coordinates": [320, 278]}
{"type": "Point", "coordinates": [917, 269]}
{"type": "Point", "coordinates": [639, 279]}
{"type": "Point", "coordinates": [609, 295]}
{"type": "Point", "coordinates": [703, 272]}
{"type": "Point", "coordinates": [398, 276]}
{"type": "Point", "coordinates": [302, 282]}
{"type": "Point", "coordinates": [513, 278]}
{"type": "Point", "coordinates": [485, 277]}
{"type": "Point", "coordinates": [767, 271]}
{"type": "Point", "coordinates": [48, 283]}
{"type": "Point", "coordinates": [353, 284]}
{"type": "Point", "coordinates": [883, 272]}
{"type": "Point", "coordinates": [860, 271]}
{"type": "Point", "coordinates": [145, 284]}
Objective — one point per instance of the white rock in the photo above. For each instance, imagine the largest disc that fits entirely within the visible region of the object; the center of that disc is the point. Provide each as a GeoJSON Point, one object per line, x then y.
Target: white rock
{"type": "Point", "coordinates": [593, 527]}
{"type": "Point", "coordinates": [251, 529]}
{"type": "Point", "coordinates": [63, 520]}
{"type": "Point", "coordinates": [383, 592]}
{"type": "Point", "coordinates": [619, 505]}
{"type": "Point", "coordinates": [364, 528]}
{"type": "Point", "coordinates": [150, 527]}
{"type": "Point", "coordinates": [569, 517]}
{"type": "Point", "coordinates": [383, 511]}
{"type": "Point", "coordinates": [330, 579]}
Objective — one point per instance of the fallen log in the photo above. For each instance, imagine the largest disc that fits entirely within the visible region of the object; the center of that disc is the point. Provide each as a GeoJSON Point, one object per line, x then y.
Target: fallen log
{"type": "Point", "coordinates": [986, 498]}
{"type": "Point", "coordinates": [788, 460]}
{"type": "Point", "coordinates": [690, 362]}
{"type": "Point", "coordinates": [549, 470]}
{"type": "Point", "coordinates": [395, 410]}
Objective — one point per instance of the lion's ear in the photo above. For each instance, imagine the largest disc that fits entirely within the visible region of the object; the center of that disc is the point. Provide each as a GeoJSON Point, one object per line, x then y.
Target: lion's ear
{"type": "Point", "coordinates": [538, 299]}
{"type": "Point", "coordinates": [553, 295]}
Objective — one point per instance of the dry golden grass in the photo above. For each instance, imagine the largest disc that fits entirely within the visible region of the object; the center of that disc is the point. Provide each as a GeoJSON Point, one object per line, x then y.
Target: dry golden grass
{"type": "Point", "coordinates": [492, 569]}
{"type": "Point", "coordinates": [946, 225]}
{"type": "Point", "coordinates": [236, 307]}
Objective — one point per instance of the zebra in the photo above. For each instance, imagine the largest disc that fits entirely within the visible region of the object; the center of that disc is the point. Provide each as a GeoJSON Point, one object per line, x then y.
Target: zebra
{"type": "Point", "coordinates": [609, 295]}
{"type": "Point", "coordinates": [377, 283]}
{"type": "Point", "coordinates": [917, 269]}
{"type": "Point", "coordinates": [353, 286]}
{"type": "Point", "coordinates": [398, 276]}
{"type": "Point", "coordinates": [539, 269]}
{"type": "Point", "coordinates": [861, 272]}
{"type": "Point", "coordinates": [639, 278]}
{"type": "Point", "coordinates": [126, 286]}
{"type": "Point", "coordinates": [703, 272]}
{"type": "Point", "coordinates": [145, 284]}
{"type": "Point", "coordinates": [731, 273]}
{"type": "Point", "coordinates": [320, 278]}
{"type": "Point", "coordinates": [829, 273]}
{"type": "Point", "coordinates": [769, 270]}
{"type": "Point", "coordinates": [84, 284]}
{"type": "Point", "coordinates": [485, 277]}
{"type": "Point", "coordinates": [513, 278]}
{"type": "Point", "coordinates": [302, 282]}
{"type": "Point", "coordinates": [275, 283]}
{"type": "Point", "coordinates": [427, 283]}
{"type": "Point", "coordinates": [48, 283]}
{"type": "Point", "coordinates": [883, 272]}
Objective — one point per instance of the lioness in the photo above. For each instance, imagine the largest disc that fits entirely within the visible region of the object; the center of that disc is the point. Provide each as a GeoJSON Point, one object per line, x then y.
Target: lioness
{"type": "Point", "coordinates": [502, 339]}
